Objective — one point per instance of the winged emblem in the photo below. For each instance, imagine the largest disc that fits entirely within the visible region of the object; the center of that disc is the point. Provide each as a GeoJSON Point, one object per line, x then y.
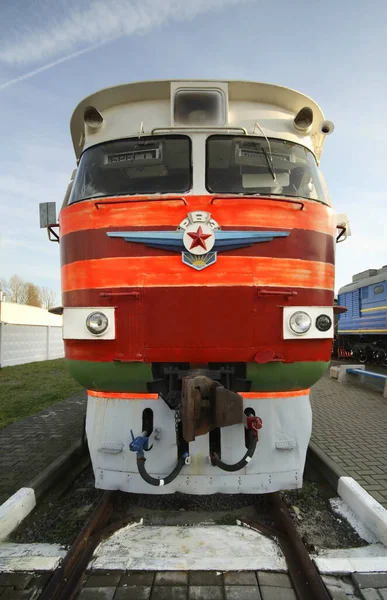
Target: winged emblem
{"type": "Point", "coordinates": [198, 238]}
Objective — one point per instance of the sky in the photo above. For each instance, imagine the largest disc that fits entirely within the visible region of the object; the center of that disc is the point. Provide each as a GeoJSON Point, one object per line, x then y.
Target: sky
{"type": "Point", "coordinates": [53, 53]}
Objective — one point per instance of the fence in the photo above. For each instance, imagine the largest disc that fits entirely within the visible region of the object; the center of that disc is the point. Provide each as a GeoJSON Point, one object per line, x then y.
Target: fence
{"type": "Point", "coordinates": [21, 344]}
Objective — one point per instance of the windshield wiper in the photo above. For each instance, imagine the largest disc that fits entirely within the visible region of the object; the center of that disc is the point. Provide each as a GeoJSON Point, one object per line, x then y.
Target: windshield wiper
{"type": "Point", "coordinates": [269, 163]}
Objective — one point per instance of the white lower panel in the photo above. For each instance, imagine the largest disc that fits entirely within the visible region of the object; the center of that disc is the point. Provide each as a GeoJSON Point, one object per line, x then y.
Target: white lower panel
{"type": "Point", "coordinates": [223, 483]}
{"type": "Point", "coordinates": [180, 548]}
{"type": "Point", "coordinates": [278, 462]}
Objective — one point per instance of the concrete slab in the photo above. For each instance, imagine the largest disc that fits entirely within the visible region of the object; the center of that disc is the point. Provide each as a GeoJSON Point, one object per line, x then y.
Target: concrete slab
{"type": "Point", "coordinates": [213, 548]}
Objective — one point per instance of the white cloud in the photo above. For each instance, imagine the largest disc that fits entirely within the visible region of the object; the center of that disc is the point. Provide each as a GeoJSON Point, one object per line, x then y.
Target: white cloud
{"type": "Point", "coordinates": [82, 28]}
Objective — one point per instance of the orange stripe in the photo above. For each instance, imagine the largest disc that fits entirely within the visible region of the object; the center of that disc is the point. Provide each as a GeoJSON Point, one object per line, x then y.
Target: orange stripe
{"type": "Point", "coordinates": [292, 394]}
{"type": "Point", "coordinates": [238, 212]}
{"type": "Point", "coordinates": [161, 271]}
{"type": "Point", "coordinates": [138, 396]}
{"type": "Point", "coordinates": [124, 396]}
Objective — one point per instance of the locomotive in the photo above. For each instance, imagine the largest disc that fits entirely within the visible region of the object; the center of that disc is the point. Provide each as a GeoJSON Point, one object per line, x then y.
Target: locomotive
{"type": "Point", "coordinates": [362, 329]}
{"type": "Point", "coordinates": [197, 250]}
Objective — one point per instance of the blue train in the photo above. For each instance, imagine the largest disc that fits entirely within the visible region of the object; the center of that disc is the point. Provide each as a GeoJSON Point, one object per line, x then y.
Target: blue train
{"type": "Point", "coordinates": [362, 329]}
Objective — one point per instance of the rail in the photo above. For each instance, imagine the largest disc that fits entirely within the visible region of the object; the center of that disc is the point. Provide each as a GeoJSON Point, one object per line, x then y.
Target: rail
{"type": "Point", "coordinates": [65, 583]}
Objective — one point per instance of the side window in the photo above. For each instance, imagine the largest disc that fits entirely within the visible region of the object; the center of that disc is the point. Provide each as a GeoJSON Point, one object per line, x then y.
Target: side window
{"type": "Point", "coordinates": [378, 289]}
{"type": "Point", "coordinates": [364, 293]}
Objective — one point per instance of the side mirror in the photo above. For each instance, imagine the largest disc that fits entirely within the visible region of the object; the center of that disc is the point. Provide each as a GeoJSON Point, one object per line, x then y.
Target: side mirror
{"type": "Point", "coordinates": [47, 213]}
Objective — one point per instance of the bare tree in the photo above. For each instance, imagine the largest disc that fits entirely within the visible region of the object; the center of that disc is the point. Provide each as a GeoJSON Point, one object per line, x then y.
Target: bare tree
{"type": "Point", "coordinates": [16, 290]}
{"type": "Point", "coordinates": [32, 295]}
{"type": "Point", "coordinates": [47, 297]}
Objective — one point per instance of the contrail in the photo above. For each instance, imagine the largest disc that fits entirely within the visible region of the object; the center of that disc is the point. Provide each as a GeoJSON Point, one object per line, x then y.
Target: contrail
{"type": "Point", "coordinates": [7, 84]}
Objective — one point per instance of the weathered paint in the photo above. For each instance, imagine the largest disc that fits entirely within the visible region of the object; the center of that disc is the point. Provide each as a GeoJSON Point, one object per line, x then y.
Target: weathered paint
{"type": "Point", "coordinates": [30, 557]}
{"type": "Point", "coordinates": [169, 271]}
{"type": "Point", "coordinates": [95, 244]}
{"type": "Point", "coordinates": [229, 212]}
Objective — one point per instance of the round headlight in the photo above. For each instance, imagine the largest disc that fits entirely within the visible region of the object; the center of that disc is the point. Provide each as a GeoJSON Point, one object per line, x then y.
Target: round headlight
{"type": "Point", "coordinates": [97, 322]}
{"type": "Point", "coordinates": [300, 322]}
{"type": "Point", "coordinates": [323, 323]}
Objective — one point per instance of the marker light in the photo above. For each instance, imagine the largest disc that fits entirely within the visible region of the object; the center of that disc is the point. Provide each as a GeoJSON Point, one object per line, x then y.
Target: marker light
{"type": "Point", "coordinates": [97, 322]}
{"type": "Point", "coordinates": [323, 323]}
{"type": "Point", "coordinates": [300, 322]}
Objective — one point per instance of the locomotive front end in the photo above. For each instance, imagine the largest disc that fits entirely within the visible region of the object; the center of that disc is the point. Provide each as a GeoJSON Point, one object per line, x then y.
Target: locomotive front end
{"type": "Point", "coordinates": [197, 246]}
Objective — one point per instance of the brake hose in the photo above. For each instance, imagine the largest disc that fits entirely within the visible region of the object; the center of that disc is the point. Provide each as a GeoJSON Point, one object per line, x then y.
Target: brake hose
{"type": "Point", "coordinates": [216, 462]}
{"type": "Point", "coordinates": [155, 481]}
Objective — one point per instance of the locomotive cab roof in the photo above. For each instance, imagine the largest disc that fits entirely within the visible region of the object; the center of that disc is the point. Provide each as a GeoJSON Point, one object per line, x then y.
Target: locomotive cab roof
{"type": "Point", "coordinates": [152, 107]}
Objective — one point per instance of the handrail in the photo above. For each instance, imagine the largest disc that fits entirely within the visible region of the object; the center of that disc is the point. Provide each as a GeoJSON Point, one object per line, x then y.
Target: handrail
{"type": "Point", "coordinates": [51, 231]}
{"type": "Point", "coordinates": [342, 232]}
{"type": "Point", "coordinates": [135, 200]}
{"type": "Point", "coordinates": [288, 201]}
{"type": "Point", "coordinates": [160, 130]}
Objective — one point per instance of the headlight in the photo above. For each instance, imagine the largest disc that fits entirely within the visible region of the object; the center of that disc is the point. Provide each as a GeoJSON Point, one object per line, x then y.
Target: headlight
{"type": "Point", "coordinates": [323, 322]}
{"type": "Point", "coordinates": [300, 322]}
{"type": "Point", "coordinates": [97, 323]}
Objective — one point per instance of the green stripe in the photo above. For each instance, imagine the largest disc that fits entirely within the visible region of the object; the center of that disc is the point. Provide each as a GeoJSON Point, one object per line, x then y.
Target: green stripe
{"type": "Point", "coordinates": [110, 376]}
{"type": "Point", "coordinates": [282, 377]}
{"type": "Point", "coordinates": [133, 377]}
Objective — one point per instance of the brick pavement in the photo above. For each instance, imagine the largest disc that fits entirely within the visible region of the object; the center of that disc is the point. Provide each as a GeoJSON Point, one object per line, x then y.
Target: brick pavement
{"type": "Point", "coordinates": [194, 585]}
{"type": "Point", "coordinates": [350, 427]}
{"type": "Point", "coordinates": [183, 585]}
{"type": "Point", "coordinates": [29, 446]}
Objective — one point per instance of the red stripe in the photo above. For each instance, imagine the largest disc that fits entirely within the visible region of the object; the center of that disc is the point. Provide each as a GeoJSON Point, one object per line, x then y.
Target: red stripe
{"type": "Point", "coordinates": [95, 244]}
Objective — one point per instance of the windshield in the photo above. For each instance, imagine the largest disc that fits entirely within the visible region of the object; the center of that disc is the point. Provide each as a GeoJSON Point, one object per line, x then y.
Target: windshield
{"type": "Point", "coordinates": [151, 165]}
{"type": "Point", "coordinates": [254, 165]}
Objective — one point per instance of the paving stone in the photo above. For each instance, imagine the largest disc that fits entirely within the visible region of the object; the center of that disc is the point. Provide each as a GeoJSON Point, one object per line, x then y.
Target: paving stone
{"type": "Point", "coordinates": [240, 578]}
{"type": "Point", "coordinates": [18, 581]}
{"type": "Point", "coordinates": [366, 460]}
{"type": "Point", "coordinates": [169, 592]}
{"type": "Point", "coordinates": [205, 592]}
{"type": "Point", "coordinates": [12, 594]}
{"type": "Point", "coordinates": [242, 592]}
{"type": "Point", "coordinates": [103, 580]}
{"type": "Point", "coordinates": [205, 578]}
{"type": "Point", "coordinates": [337, 593]}
{"type": "Point", "coordinates": [369, 594]}
{"type": "Point", "coordinates": [97, 593]}
{"type": "Point", "coordinates": [133, 592]}
{"type": "Point", "coordinates": [137, 578]}
{"type": "Point", "coordinates": [275, 579]}
{"type": "Point", "coordinates": [171, 578]}
{"type": "Point", "coordinates": [370, 580]}
{"type": "Point", "coordinates": [269, 592]}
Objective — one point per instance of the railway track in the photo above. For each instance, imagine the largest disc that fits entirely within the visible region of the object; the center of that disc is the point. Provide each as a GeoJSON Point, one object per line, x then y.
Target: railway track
{"type": "Point", "coordinates": [307, 582]}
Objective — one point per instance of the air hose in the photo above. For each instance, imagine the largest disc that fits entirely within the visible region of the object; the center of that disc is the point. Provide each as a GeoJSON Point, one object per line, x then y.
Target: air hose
{"type": "Point", "coordinates": [138, 445]}
{"type": "Point", "coordinates": [216, 462]}
{"type": "Point", "coordinates": [155, 481]}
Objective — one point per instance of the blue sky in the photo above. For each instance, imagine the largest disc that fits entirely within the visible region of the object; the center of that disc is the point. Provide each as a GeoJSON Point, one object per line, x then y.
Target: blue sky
{"type": "Point", "coordinates": [53, 53]}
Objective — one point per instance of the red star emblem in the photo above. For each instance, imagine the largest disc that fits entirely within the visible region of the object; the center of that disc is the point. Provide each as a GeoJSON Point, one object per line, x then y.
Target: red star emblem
{"type": "Point", "coordinates": [199, 238]}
